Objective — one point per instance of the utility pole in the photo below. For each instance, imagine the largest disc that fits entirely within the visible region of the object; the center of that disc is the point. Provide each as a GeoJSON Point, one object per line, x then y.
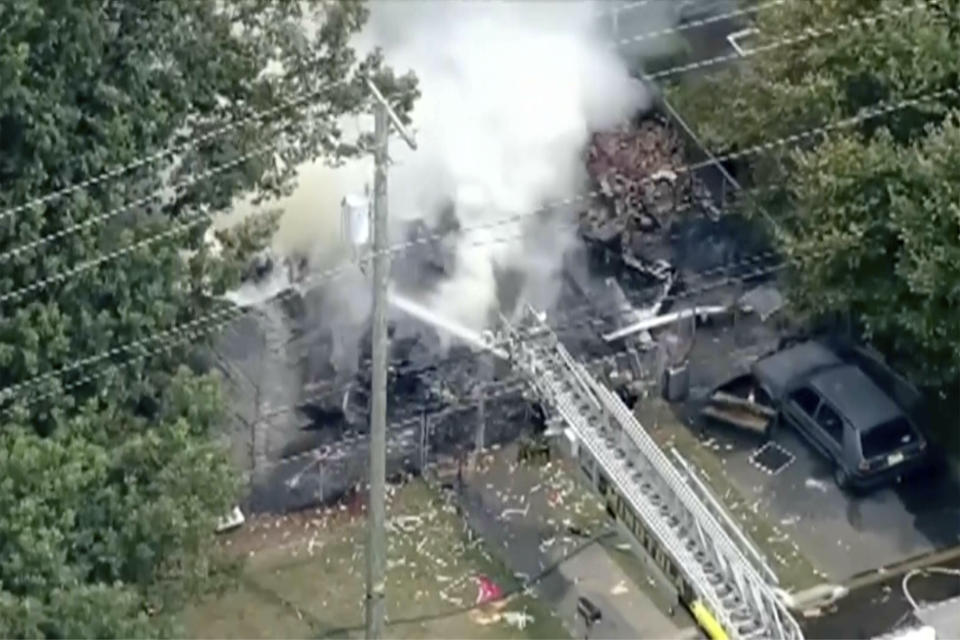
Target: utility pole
{"type": "Point", "coordinates": [376, 509]}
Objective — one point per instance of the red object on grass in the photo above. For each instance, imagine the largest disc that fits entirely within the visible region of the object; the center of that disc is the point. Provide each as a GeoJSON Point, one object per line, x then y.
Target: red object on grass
{"type": "Point", "coordinates": [488, 590]}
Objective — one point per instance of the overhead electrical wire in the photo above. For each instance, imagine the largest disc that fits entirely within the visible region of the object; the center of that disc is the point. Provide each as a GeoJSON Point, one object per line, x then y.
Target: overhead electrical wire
{"type": "Point", "coordinates": [300, 99]}
{"type": "Point", "coordinates": [189, 222]}
{"type": "Point", "coordinates": [172, 150]}
{"type": "Point", "coordinates": [622, 8]}
{"type": "Point", "coordinates": [154, 195]}
{"type": "Point", "coordinates": [694, 24]}
{"type": "Point", "coordinates": [195, 330]}
{"type": "Point", "coordinates": [807, 34]}
{"type": "Point", "coordinates": [5, 392]}
{"type": "Point", "coordinates": [866, 113]}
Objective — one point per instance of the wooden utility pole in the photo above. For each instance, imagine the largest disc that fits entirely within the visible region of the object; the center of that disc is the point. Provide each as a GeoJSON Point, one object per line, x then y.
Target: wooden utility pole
{"type": "Point", "coordinates": [376, 509]}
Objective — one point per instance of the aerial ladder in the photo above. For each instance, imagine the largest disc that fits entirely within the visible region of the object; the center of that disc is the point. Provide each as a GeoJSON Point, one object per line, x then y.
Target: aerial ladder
{"type": "Point", "coordinates": [730, 592]}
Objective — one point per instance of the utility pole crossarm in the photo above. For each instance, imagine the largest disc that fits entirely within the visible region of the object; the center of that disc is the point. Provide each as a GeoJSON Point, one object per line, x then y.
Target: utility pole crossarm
{"type": "Point", "coordinates": [394, 118]}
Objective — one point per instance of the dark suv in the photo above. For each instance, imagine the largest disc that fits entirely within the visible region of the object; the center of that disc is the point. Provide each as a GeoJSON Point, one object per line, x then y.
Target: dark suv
{"type": "Point", "coordinates": [842, 413]}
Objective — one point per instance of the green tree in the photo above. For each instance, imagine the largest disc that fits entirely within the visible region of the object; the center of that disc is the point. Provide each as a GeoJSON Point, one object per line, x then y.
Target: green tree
{"type": "Point", "coordinates": [112, 476]}
{"type": "Point", "coordinates": [867, 214]}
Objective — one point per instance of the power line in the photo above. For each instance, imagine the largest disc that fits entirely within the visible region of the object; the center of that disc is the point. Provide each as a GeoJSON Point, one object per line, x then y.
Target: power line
{"type": "Point", "coordinates": [866, 113]}
{"type": "Point", "coordinates": [189, 222]}
{"type": "Point", "coordinates": [508, 384]}
{"type": "Point", "coordinates": [808, 34]}
{"type": "Point", "coordinates": [154, 195]}
{"type": "Point", "coordinates": [630, 6]}
{"type": "Point", "coordinates": [116, 172]}
{"type": "Point", "coordinates": [308, 96]}
{"type": "Point", "coordinates": [196, 330]}
{"type": "Point", "coordinates": [693, 24]}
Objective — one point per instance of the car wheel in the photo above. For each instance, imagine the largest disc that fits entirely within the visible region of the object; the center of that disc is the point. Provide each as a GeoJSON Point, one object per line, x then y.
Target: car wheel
{"type": "Point", "coordinates": [841, 477]}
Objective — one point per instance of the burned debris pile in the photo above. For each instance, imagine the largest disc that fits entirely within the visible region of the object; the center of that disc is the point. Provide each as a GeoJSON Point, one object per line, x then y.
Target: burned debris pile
{"type": "Point", "coordinates": [640, 173]}
{"type": "Point", "coordinates": [636, 170]}
{"type": "Point", "coordinates": [445, 401]}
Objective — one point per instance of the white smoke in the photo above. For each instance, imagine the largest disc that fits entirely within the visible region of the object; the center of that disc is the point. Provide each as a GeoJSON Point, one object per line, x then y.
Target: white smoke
{"type": "Point", "coordinates": [510, 93]}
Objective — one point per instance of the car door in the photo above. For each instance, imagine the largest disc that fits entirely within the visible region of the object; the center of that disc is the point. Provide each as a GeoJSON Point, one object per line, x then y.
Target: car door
{"type": "Point", "coordinates": [829, 430]}
{"type": "Point", "coordinates": [801, 409]}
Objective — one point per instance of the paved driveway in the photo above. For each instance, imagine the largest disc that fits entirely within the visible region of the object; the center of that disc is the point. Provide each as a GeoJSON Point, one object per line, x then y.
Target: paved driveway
{"type": "Point", "coordinates": [842, 534]}
{"type": "Point", "coordinates": [493, 498]}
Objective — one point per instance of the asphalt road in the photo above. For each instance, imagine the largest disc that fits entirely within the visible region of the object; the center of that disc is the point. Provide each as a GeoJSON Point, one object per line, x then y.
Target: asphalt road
{"type": "Point", "coordinates": [844, 534]}
{"type": "Point", "coordinates": [526, 544]}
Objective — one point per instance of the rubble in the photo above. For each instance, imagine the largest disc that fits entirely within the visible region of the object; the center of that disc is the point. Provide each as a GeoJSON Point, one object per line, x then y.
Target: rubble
{"type": "Point", "coordinates": [635, 168]}
{"type": "Point", "coordinates": [638, 170]}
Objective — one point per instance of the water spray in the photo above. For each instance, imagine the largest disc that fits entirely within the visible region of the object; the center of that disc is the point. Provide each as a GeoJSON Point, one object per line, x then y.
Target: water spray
{"type": "Point", "coordinates": [446, 325]}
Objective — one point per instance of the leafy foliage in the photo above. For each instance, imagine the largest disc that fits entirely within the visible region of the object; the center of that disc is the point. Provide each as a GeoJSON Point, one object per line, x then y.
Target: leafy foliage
{"type": "Point", "coordinates": [867, 211]}
{"type": "Point", "coordinates": [112, 477]}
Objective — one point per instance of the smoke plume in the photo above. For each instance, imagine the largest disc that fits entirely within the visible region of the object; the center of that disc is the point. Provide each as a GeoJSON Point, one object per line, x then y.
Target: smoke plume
{"type": "Point", "coordinates": [510, 94]}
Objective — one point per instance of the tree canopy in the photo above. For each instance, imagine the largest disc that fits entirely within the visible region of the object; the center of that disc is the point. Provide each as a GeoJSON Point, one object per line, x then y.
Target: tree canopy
{"type": "Point", "coordinates": [111, 472]}
{"type": "Point", "coordinates": [867, 214]}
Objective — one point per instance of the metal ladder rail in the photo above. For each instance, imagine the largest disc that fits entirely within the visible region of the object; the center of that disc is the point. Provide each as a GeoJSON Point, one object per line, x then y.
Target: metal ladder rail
{"type": "Point", "coordinates": [649, 504]}
{"type": "Point", "coordinates": [750, 587]}
{"type": "Point", "coordinates": [743, 571]}
{"type": "Point", "coordinates": [660, 517]}
{"type": "Point", "coordinates": [542, 357]}
{"type": "Point", "coordinates": [749, 582]}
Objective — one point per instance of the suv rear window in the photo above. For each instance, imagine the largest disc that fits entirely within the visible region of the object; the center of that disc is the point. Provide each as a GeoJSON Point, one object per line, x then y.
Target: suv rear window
{"type": "Point", "coordinates": [887, 437]}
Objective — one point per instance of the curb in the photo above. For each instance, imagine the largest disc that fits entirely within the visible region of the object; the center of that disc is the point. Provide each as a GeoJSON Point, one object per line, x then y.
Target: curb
{"type": "Point", "coordinates": [884, 573]}
{"type": "Point", "coordinates": [825, 594]}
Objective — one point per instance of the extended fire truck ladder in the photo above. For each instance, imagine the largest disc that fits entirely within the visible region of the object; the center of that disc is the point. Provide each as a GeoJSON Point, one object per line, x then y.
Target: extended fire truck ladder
{"type": "Point", "coordinates": [732, 599]}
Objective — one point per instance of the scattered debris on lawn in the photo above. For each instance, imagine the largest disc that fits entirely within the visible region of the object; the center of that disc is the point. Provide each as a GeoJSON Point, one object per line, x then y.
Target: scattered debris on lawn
{"type": "Point", "coordinates": [432, 570]}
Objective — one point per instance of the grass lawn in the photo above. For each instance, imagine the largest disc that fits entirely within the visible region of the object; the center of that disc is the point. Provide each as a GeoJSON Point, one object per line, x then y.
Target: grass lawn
{"type": "Point", "coordinates": [304, 577]}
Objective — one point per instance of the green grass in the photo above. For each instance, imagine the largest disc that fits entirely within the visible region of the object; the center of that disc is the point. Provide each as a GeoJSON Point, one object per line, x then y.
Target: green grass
{"type": "Point", "coordinates": [314, 586]}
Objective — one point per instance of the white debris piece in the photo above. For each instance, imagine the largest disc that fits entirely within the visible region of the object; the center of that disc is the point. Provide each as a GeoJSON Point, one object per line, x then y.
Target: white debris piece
{"type": "Point", "coordinates": [518, 619]}
{"type": "Point", "coordinates": [619, 589]}
{"type": "Point", "coordinates": [519, 512]}
{"type": "Point", "coordinates": [813, 483]}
